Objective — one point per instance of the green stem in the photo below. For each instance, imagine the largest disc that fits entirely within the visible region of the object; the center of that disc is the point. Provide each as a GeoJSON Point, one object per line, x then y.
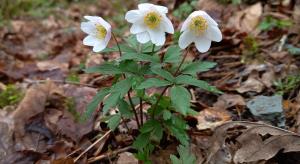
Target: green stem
{"type": "Point", "coordinates": [128, 93]}
{"type": "Point", "coordinates": [165, 89]}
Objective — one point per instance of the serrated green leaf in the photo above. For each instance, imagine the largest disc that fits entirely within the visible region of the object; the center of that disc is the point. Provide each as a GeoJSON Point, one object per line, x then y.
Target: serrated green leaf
{"type": "Point", "coordinates": [114, 121]}
{"type": "Point", "coordinates": [195, 67]}
{"type": "Point", "coordinates": [163, 73]}
{"type": "Point", "coordinates": [149, 126]}
{"type": "Point", "coordinates": [124, 109]}
{"type": "Point", "coordinates": [189, 80]}
{"type": "Point", "coordinates": [185, 156]}
{"type": "Point", "coordinates": [106, 68]}
{"type": "Point", "coordinates": [141, 141]}
{"type": "Point", "coordinates": [153, 82]}
{"type": "Point", "coordinates": [140, 57]}
{"type": "Point", "coordinates": [173, 54]}
{"type": "Point", "coordinates": [123, 47]}
{"type": "Point", "coordinates": [121, 87]}
{"type": "Point", "coordinates": [92, 106]}
{"type": "Point", "coordinates": [111, 101]}
{"type": "Point", "coordinates": [175, 160]}
{"type": "Point", "coordinates": [129, 66]}
{"type": "Point", "coordinates": [180, 98]}
{"type": "Point", "coordinates": [166, 115]}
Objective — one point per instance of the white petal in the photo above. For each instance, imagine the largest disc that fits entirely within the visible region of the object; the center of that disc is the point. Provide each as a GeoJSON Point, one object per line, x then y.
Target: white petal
{"type": "Point", "coordinates": [214, 33]}
{"type": "Point", "coordinates": [99, 46]}
{"type": "Point", "coordinates": [137, 28]}
{"type": "Point", "coordinates": [133, 15]}
{"type": "Point", "coordinates": [88, 27]}
{"type": "Point", "coordinates": [157, 36]}
{"type": "Point", "coordinates": [185, 39]}
{"type": "Point", "coordinates": [205, 15]}
{"type": "Point", "coordinates": [90, 40]}
{"type": "Point", "coordinates": [161, 9]}
{"type": "Point", "coordinates": [185, 24]}
{"type": "Point", "coordinates": [202, 44]}
{"type": "Point", "coordinates": [167, 25]}
{"type": "Point", "coordinates": [107, 37]}
{"type": "Point", "coordinates": [98, 20]}
{"type": "Point", "coordinates": [143, 37]}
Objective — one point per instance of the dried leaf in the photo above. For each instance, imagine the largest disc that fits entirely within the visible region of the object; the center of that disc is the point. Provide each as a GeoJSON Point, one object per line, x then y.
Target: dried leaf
{"type": "Point", "coordinates": [210, 118]}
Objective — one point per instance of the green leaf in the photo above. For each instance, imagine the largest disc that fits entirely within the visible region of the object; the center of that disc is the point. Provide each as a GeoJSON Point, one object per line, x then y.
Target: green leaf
{"type": "Point", "coordinates": [141, 141]}
{"type": "Point", "coordinates": [129, 66]}
{"type": "Point", "coordinates": [167, 115]}
{"type": "Point", "coordinates": [121, 87]}
{"type": "Point", "coordinates": [195, 67]}
{"type": "Point", "coordinates": [140, 57]}
{"type": "Point", "coordinates": [111, 101]}
{"type": "Point", "coordinates": [153, 82]}
{"type": "Point", "coordinates": [123, 47]}
{"type": "Point", "coordinates": [92, 106]}
{"type": "Point", "coordinates": [185, 154]}
{"type": "Point", "coordinates": [106, 68]}
{"type": "Point", "coordinates": [189, 80]}
{"type": "Point", "coordinates": [163, 73]}
{"type": "Point", "coordinates": [154, 128]}
{"type": "Point", "coordinates": [173, 54]}
{"type": "Point", "coordinates": [149, 126]}
{"type": "Point", "coordinates": [125, 109]}
{"type": "Point", "coordinates": [180, 98]}
{"type": "Point", "coordinates": [114, 121]}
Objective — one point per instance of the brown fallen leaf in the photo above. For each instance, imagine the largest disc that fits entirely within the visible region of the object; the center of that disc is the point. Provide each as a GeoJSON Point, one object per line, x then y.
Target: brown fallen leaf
{"type": "Point", "coordinates": [247, 19]}
{"type": "Point", "coordinates": [32, 104]}
{"type": "Point", "coordinates": [251, 84]}
{"type": "Point", "coordinates": [210, 118]}
{"type": "Point", "coordinates": [127, 158]}
{"type": "Point", "coordinates": [242, 142]}
{"type": "Point", "coordinates": [226, 101]}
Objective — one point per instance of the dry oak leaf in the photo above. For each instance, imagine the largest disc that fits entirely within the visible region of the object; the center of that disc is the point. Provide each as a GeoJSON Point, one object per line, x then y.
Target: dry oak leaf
{"type": "Point", "coordinates": [247, 19]}
{"type": "Point", "coordinates": [226, 101]}
{"type": "Point", "coordinates": [251, 84]}
{"type": "Point", "coordinates": [210, 118]}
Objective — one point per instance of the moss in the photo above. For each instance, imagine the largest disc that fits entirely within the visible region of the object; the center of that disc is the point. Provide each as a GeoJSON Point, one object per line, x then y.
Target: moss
{"type": "Point", "coordinates": [10, 96]}
{"type": "Point", "coordinates": [70, 104]}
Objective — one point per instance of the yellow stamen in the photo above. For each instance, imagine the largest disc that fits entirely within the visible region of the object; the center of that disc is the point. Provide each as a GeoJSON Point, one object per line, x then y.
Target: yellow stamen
{"type": "Point", "coordinates": [199, 25]}
{"type": "Point", "coordinates": [152, 19]}
{"type": "Point", "coordinates": [101, 31]}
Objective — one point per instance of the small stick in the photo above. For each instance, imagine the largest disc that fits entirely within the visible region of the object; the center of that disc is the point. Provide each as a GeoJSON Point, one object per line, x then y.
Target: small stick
{"type": "Point", "coordinates": [100, 139]}
{"type": "Point", "coordinates": [106, 155]}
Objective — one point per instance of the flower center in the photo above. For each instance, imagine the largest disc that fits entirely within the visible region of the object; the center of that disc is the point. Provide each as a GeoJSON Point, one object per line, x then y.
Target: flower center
{"type": "Point", "coordinates": [199, 25]}
{"type": "Point", "coordinates": [152, 19]}
{"type": "Point", "coordinates": [101, 31]}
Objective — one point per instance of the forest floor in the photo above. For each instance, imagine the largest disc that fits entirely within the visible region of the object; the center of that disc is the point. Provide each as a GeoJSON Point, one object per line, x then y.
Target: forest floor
{"type": "Point", "coordinates": [44, 90]}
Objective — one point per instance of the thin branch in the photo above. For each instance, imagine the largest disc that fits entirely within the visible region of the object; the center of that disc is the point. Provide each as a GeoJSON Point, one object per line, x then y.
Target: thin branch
{"type": "Point", "coordinates": [91, 146]}
{"type": "Point", "coordinates": [106, 155]}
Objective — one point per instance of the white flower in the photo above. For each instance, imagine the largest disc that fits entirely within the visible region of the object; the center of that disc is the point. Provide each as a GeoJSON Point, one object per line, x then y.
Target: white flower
{"type": "Point", "coordinates": [99, 32]}
{"type": "Point", "coordinates": [201, 29]}
{"type": "Point", "coordinates": [150, 23]}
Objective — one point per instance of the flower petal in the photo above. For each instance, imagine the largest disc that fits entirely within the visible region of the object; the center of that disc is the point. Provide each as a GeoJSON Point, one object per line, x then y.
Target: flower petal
{"type": "Point", "coordinates": [214, 33]}
{"type": "Point", "coordinates": [98, 20]}
{"type": "Point", "coordinates": [107, 37]}
{"type": "Point", "coordinates": [185, 24]}
{"type": "Point", "coordinates": [202, 44]}
{"type": "Point", "coordinates": [88, 27]}
{"type": "Point", "coordinates": [185, 39]}
{"type": "Point", "coordinates": [90, 40]}
{"type": "Point", "coordinates": [205, 15]}
{"type": "Point", "coordinates": [143, 37]}
{"type": "Point", "coordinates": [133, 15]}
{"type": "Point", "coordinates": [137, 28]}
{"type": "Point", "coordinates": [167, 25]}
{"type": "Point", "coordinates": [157, 36]}
{"type": "Point", "coordinates": [99, 46]}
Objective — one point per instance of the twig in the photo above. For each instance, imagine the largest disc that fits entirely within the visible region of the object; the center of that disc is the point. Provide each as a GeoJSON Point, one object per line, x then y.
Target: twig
{"type": "Point", "coordinates": [106, 155]}
{"type": "Point", "coordinates": [133, 109]}
{"type": "Point", "coordinates": [86, 150]}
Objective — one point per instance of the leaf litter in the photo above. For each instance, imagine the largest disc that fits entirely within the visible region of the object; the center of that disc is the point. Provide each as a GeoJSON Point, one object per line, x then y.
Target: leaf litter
{"type": "Point", "coordinates": [44, 125]}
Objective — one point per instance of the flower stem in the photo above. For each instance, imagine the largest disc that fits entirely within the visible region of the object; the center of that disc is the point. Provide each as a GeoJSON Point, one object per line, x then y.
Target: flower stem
{"type": "Point", "coordinates": [128, 93]}
{"type": "Point", "coordinates": [165, 89]}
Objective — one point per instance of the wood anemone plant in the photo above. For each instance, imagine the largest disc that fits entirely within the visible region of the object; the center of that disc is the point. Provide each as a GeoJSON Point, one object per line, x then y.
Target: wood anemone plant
{"type": "Point", "coordinates": [141, 66]}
